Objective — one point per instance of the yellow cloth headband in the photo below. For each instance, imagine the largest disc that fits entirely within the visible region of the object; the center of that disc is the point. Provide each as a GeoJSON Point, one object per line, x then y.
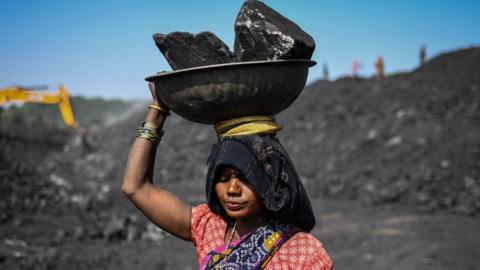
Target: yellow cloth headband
{"type": "Point", "coordinates": [246, 126]}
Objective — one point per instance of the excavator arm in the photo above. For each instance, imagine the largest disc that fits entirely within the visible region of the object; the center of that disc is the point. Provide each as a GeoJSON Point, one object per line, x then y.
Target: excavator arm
{"type": "Point", "coordinates": [61, 97]}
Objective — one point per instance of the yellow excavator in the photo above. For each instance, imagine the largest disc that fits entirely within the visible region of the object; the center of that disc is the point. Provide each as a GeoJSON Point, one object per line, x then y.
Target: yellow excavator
{"type": "Point", "coordinates": [29, 95]}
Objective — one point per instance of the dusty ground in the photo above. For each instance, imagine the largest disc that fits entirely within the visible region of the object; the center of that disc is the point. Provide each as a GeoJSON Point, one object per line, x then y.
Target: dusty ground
{"type": "Point", "coordinates": [392, 167]}
{"type": "Point", "coordinates": [357, 237]}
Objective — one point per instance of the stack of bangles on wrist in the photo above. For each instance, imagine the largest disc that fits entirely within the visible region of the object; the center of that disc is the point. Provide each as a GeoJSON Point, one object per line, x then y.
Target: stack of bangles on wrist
{"type": "Point", "coordinates": [150, 132]}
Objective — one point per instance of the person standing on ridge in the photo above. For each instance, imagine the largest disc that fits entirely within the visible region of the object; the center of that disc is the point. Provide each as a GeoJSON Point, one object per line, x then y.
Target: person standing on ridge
{"type": "Point", "coordinates": [380, 68]}
{"type": "Point", "coordinates": [325, 72]}
{"type": "Point", "coordinates": [355, 68]}
{"type": "Point", "coordinates": [422, 54]}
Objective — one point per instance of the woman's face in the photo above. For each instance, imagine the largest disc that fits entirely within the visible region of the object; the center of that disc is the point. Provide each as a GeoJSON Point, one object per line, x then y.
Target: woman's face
{"type": "Point", "coordinates": [238, 198]}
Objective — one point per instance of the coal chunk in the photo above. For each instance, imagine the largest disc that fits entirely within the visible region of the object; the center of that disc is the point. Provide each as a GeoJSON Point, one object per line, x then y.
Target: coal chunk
{"type": "Point", "coordinates": [261, 33]}
{"type": "Point", "coordinates": [186, 50]}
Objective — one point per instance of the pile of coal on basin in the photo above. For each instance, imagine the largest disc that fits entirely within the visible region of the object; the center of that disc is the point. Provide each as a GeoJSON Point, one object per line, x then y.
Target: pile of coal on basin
{"type": "Point", "coordinates": [261, 33]}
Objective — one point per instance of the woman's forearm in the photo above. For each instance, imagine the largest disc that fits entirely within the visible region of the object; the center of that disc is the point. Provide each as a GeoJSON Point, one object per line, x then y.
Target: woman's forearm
{"type": "Point", "coordinates": [160, 206]}
{"type": "Point", "coordinates": [139, 170]}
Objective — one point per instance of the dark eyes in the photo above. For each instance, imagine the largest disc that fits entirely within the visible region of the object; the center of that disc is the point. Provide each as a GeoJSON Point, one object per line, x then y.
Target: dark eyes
{"type": "Point", "coordinates": [227, 175]}
{"type": "Point", "coordinates": [224, 179]}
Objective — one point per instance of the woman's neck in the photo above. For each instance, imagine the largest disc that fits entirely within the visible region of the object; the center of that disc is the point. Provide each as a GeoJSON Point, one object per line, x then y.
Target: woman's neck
{"type": "Point", "coordinates": [246, 226]}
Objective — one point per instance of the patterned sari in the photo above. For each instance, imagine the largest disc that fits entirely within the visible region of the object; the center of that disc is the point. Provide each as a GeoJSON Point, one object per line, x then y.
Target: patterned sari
{"type": "Point", "coordinates": [252, 251]}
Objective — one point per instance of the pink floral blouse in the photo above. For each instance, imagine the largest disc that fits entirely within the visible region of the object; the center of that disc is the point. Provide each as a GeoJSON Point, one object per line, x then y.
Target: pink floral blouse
{"type": "Point", "coordinates": [302, 251]}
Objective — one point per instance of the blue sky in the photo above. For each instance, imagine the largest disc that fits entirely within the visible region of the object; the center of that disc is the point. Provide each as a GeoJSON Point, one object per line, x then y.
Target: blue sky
{"type": "Point", "coordinates": [104, 47]}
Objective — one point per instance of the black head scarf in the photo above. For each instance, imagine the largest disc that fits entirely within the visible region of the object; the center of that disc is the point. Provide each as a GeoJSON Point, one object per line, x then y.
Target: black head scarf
{"type": "Point", "coordinates": [266, 166]}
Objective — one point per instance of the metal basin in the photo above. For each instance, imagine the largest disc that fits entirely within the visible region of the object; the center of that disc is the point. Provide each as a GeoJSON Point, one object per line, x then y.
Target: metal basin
{"type": "Point", "coordinates": [210, 94]}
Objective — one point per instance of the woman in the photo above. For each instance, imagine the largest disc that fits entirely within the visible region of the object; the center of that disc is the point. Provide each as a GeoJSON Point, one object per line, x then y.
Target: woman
{"type": "Point", "coordinates": [258, 214]}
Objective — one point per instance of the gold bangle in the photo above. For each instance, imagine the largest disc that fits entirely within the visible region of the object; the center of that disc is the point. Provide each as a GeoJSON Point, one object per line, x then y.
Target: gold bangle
{"type": "Point", "coordinates": [160, 109]}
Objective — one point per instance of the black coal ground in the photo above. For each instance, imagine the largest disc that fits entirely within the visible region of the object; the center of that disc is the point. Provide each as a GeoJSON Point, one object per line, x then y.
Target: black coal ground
{"type": "Point", "coordinates": [391, 167]}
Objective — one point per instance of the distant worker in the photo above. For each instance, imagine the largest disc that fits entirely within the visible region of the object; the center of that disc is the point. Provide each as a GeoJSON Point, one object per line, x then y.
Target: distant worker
{"type": "Point", "coordinates": [355, 68]}
{"type": "Point", "coordinates": [423, 54]}
{"type": "Point", "coordinates": [325, 71]}
{"type": "Point", "coordinates": [86, 146]}
{"type": "Point", "coordinates": [380, 68]}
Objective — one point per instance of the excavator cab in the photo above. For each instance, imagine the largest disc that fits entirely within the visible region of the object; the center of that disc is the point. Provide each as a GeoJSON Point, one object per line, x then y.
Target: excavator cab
{"type": "Point", "coordinates": [24, 94]}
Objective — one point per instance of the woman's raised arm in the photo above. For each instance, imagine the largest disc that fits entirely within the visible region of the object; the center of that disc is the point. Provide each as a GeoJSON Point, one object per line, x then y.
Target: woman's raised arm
{"type": "Point", "coordinates": [160, 206]}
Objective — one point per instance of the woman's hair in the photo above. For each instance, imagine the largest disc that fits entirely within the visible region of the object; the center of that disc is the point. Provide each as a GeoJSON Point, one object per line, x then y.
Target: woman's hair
{"type": "Point", "coordinates": [266, 166]}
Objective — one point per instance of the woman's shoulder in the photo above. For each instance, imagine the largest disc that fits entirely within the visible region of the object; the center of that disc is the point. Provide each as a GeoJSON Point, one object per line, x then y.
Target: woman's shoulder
{"type": "Point", "coordinates": [207, 229]}
{"type": "Point", "coordinates": [302, 251]}
{"type": "Point", "coordinates": [201, 210]}
{"type": "Point", "coordinates": [203, 216]}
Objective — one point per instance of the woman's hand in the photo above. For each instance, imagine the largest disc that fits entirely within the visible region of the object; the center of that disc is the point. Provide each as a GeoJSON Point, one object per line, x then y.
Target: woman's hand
{"type": "Point", "coordinates": [155, 100]}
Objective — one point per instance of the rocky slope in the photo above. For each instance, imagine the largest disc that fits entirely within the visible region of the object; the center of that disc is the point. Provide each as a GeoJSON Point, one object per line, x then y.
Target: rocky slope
{"type": "Point", "coordinates": [409, 142]}
{"type": "Point", "coordinates": [412, 139]}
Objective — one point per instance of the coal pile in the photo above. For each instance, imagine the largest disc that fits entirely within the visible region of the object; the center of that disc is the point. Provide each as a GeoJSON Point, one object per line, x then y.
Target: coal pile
{"type": "Point", "coordinates": [24, 187]}
{"type": "Point", "coordinates": [261, 33]}
{"type": "Point", "coordinates": [185, 50]}
{"type": "Point", "coordinates": [412, 139]}
{"type": "Point", "coordinates": [55, 195]}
